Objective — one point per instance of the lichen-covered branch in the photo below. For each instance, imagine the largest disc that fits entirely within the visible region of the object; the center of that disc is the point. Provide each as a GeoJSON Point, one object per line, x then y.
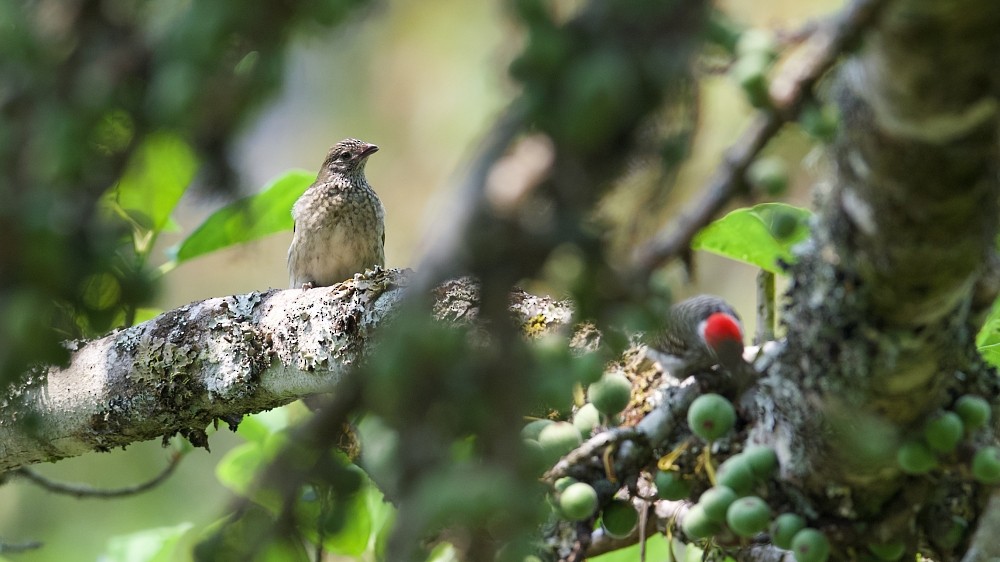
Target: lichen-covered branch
{"type": "Point", "coordinates": [214, 359]}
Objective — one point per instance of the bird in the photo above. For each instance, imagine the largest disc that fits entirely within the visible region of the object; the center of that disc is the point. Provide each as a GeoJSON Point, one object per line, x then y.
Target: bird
{"type": "Point", "coordinates": [700, 333]}
{"type": "Point", "coordinates": [339, 221]}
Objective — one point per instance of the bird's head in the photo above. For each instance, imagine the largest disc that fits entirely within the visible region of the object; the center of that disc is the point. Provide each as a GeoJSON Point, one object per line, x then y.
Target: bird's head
{"type": "Point", "coordinates": [348, 157]}
{"type": "Point", "coordinates": [722, 333]}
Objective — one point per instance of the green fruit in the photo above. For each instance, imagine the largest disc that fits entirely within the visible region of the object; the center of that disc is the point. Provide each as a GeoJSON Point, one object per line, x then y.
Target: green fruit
{"type": "Point", "coordinates": [750, 72]}
{"type": "Point", "coordinates": [748, 516]}
{"type": "Point", "coordinates": [888, 551]}
{"type": "Point", "coordinates": [715, 501]}
{"type": "Point", "coordinates": [578, 501]}
{"type": "Point", "coordinates": [986, 465]}
{"type": "Point", "coordinates": [769, 176]}
{"type": "Point", "coordinates": [915, 458]}
{"type": "Point", "coordinates": [757, 41]}
{"type": "Point", "coordinates": [670, 486]}
{"type": "Point", "coordinates": [588, 368]}
{"type": "Point", "coordinates": [532, 429]}
{"type": "Point", "coordinates": [762, 460]}
{"type": "Point", "coordinates": [698, 525]}
{"type": "Point", "coordinates": [619, 519]}
{"type": "Point", "coordinates": [559, 438]}
{"type": "Point", "coordinates": [953, 535]}
{"type": "Point", "coordinates": [611, 394]}
{"type": "Point", "coordinates": [820, 121]}
{"type": "Point", "coordinates": [736, 474]}
{"type": "Point", "coordinates": [711, 416]}
{"type": "Point", "coordinates": [975, 411]}
{"type": "Point", "coordinates": [564, 483]}
{"type": "Point", "coordinates": [944, 432]}
{"type": "Point", "coordinates": [602, 85]}
{"type": "Point", "coordinates": [586, 419]}
{"type": "Point", "coordinates": [784, 528]}
{"type": "Point", "coordinates": [810, 545]}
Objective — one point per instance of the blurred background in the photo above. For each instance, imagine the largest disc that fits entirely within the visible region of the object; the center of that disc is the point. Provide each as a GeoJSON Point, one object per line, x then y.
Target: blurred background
{"type": "Point", "coordinates": [424, 81]}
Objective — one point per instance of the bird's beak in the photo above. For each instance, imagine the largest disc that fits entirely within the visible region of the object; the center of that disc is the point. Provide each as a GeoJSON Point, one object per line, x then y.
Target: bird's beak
{"type": "Point", "coordinates": [369, 150]}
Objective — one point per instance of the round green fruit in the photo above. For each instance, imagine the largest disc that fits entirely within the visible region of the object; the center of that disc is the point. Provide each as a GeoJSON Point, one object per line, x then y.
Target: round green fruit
{"type": "Point", "coordinates": [611, 394]}
{"type": "Point", "coordinates": [890, 551]}
{"type": "Point", "coordinates": [810, 545]}
{"type": "Point", "coordinates": [619, 519]}
{"type": "Point", "coordinates": [564, 483]}
{"type": "Point", "coordinates": [711, 416]}
{"type": "Point", "coordinates": [915, 458]}
{"type": "Point", "coordinates": [820, 121]}
{"type": "Point", "coordinates": [944, 432]}
{"type": "Point", "coordinates": [757, 41]}
{"type": "Point", "coordinates": [698, 525]}
{"type": "Point", "coordinates": [748, 516]}
{"type": "Point", "coordinates": [750, 72]}
{"type": "Point", "coordinates": [736, 473]}
{"type": "Point", "coordinates": [762, 460]}
{"type": "Point", "coordinates": [974, 410]}
{"type": "Point", "coordinates": [784, 528]}
{"type": "Point", "coordinates": [586, 419]}
{"type": "Point", "coordinates": [783, 224]}
{"type": "Point", "coordinates": [670, 486]}
{"type": "Point", "coordinates": [559, 438]}
{"type": "Point", "coordinates": [533, 428]}
{"type": "Point", "coordinates": [986, 465]}
{"type": "Point", "coordinates": [770, 177]}
{"type": "Point", "coordinates": [578, 501]}
{"type": "Point", "coordinates": [715, 501]}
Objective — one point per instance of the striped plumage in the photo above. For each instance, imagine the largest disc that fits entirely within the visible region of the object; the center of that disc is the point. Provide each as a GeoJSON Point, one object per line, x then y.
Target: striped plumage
{"type": "Point", "coordinates": [700, 332]}
{"type": "Point", "coordinates": [339, 221]}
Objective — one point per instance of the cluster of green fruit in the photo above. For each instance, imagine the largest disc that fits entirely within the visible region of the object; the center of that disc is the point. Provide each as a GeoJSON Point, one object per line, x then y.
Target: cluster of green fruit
{"type": "Point", "coordinates": [605, 398]}
{"type": "Point", "coordinates": [578, 501]}
{"type": "Point", "coordinates": [729, 504]}
{"type": "Point", "coordinates": [942, 435]}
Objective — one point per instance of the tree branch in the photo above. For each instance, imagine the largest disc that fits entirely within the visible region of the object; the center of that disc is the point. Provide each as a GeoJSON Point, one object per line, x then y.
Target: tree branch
{"type": "Point", "coordinates": [789, 90]}
{"type": "Point", "coordinates": [215, 359]}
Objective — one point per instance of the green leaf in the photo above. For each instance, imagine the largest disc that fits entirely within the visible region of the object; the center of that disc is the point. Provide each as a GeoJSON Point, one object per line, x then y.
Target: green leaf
{"type": "Point", "coordinates": [657, 548]}
{"type": "Point", "coordinates": [154, 181]}
{"type": "Point", "coordinates": [988, 339]}
{"type": "Point", "coordinates": [249, 218]}
{"type": "Point", "coordinates": [759, 235]}
{"type": "Point", "coordinates": [164, 544]}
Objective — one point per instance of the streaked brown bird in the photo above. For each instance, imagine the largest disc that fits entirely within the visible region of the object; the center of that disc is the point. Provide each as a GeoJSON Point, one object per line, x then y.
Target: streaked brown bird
{"type": "Point", "coordinates": [339, 221]}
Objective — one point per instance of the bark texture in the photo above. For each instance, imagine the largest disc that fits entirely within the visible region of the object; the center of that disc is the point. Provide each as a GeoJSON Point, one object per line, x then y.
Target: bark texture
{"type": "Point", "coordinates": [882, 314]}
{"type": "Point", "coordinates": [220, 358]}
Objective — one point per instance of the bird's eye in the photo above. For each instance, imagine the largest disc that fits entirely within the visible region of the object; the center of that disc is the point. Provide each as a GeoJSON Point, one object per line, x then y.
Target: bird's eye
{"type": "Point", "coordinates": [345, 155]}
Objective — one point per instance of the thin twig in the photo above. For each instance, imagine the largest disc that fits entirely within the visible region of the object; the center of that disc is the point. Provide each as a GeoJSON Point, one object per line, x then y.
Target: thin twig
{"type": "Point", "coordinates": [88, 491]}
{"type": "Point", "coordinates": [590, 448]}
{"type": "Point", "coordinates": [789, 90]}
{"type": "Point", "coordinates": [8, 548]}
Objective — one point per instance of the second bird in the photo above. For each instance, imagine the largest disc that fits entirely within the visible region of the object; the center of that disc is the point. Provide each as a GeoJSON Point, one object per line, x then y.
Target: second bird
{"type": "Point", "coordinates": [339, 221]}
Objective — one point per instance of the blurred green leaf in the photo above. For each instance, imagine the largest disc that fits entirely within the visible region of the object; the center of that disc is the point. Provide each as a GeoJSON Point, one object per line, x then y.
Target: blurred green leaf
{"type": "Point", "coordinates": [239, 466]}
{"type": "Point", "coordinates": [759, 235]}
{"type": "Point", "coordinates": [351, 532]}
{"type": "Point", "coordinates": [249, 218]}
{"type": "Point", "coordinates": [158, 175]}
{"type": "Point", "coordinates": [164, 544]}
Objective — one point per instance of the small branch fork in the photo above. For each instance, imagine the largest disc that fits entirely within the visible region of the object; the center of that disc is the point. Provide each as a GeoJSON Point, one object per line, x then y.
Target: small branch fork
{"type": "Point", "coordinates": [789, 91]}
